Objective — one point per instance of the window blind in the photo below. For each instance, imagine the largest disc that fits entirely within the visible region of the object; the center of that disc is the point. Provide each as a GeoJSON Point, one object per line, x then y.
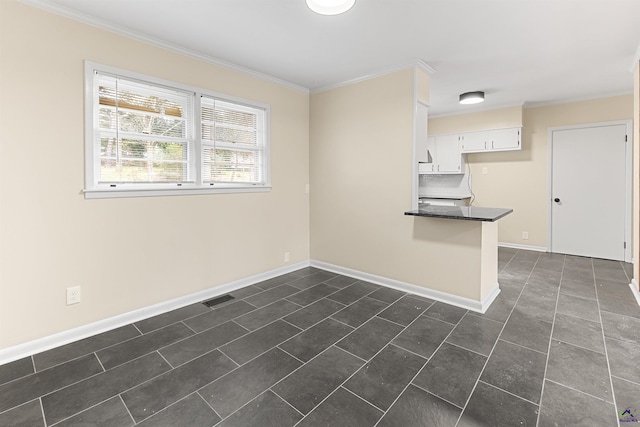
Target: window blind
{"type": "Point", "coordinates": [144, 132]}
{"type": "Point", "coordinates": [232, 142]}
{"type": "Point", "coordinates": [145, 136]}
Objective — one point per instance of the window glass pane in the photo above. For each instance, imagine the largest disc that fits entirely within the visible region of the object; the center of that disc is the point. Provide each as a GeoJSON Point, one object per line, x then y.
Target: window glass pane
{"type": "Point", "coordinates": [127, 160]}
{"type": "Point", "coordinates": [225, 165]}
{"type": "Point", "coordinates": [144, 132]}
{"type": "Point", "coordinates": [141, 123]}
{"type": "Point", "coordinates": [229, 123]}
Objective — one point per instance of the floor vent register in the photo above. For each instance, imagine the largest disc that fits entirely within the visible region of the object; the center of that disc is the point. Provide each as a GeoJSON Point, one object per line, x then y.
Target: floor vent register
{"type": "Point", "coordinates": [218, 300]}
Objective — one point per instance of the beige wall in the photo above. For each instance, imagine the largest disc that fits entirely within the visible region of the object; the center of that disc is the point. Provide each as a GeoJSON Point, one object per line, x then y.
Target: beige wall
{"type": "Point", "coordinates": [125, 253]}
{"type": "Point", "coordinates": [361, 157]}
{"type": "Point", "coordinates": [518, 179]}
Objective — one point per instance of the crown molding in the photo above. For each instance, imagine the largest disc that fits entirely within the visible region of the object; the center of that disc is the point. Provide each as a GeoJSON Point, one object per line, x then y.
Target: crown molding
{"type": "Point", "coordinates": [425, 67]}
{"type": "Point", "coordinates": [382, 72]}
{"type": "Point", "coordinates": [578, 99]}
{"type": "Point", "coordinates": [104, 25]}
{"type": "Point", "coordinates": [476, 111]}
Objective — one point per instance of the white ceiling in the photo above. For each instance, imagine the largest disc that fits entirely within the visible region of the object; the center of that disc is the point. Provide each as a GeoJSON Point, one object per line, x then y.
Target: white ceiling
{"type": "Point", "coordinates": [517, 51]}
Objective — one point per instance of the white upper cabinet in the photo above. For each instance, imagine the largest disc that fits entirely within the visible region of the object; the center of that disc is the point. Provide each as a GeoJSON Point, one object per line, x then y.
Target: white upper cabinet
{"type": "Point", "coordinates": [506, 139]}
{"type": "Point", "coordinates": [491, 140]}
{"type": "Point", "coordinates": [443, 156]}
{"type": "Point", "coordinates": [473, 141]}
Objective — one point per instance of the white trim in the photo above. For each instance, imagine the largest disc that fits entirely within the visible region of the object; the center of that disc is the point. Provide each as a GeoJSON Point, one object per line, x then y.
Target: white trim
{"type": "Point", "coordinates": [469, 304]}
{"type": "Point", "coordinates": [425, 67]}
{"type": "Point", "coordinates": [379, 73]}
{"type": "Point", "coordinates": [65, 337]}
{"type": "Point", "coordinates": [634, 290]}
{"type": "Point", "coordinates": [479, 109]}
{"type": "Point", "coordinates": [94, 190]}
{"type": "Point", "coordinates": [628, 208]}
{"type": "Point", "coordinates": [415, 178]}
{"type": "Point", "coordinates": [104, 25]}
{"type": "Point", "coordinates": [576, 99]}
{"type": "Point", "coordinates": [636, 60]}
{"type": "Point", "coordinates": [524, 247]}
{"type": "Point", "coordinates": [150, 192]}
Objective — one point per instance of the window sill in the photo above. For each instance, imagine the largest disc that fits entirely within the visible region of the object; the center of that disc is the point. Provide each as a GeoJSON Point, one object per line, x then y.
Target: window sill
{"type": "Point", "coordinates": [120, 192]}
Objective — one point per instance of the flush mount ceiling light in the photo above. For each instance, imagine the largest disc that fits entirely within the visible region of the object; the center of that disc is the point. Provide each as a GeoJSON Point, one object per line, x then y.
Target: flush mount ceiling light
{"type": "Point", "coordinates": [330, 7]}
{"type": "Point", "coordinates": [472, 97]}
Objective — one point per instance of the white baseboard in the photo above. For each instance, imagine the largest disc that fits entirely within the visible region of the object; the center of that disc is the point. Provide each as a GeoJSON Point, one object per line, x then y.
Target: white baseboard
{"type": "Point", "coordinates": [469, 304]}
{"type": "Point", "coordinates": [524, 247]}
{"type": "Point", "coordinates": [56, 340]}
{"type": "Point", "coordinates": [634, 289]}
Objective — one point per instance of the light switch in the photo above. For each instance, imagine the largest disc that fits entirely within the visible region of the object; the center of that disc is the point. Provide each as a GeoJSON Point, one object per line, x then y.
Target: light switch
{"type": "Point", "coordinates": [485, 170]}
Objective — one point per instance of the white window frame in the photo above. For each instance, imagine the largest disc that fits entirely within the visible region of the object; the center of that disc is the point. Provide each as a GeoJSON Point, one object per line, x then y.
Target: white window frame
{"type": "Point", "coordinates": [94, 190]}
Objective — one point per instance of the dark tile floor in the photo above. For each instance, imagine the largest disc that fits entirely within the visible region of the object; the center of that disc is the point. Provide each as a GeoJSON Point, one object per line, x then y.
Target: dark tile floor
{"type": "Point", "coordinates": [560, 346]}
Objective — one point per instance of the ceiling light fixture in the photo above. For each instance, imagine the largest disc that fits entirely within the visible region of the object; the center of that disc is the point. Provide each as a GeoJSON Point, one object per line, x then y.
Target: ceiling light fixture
{"type": "Point", "coordinates": [472, 97]}
{"type": "Point", "coordinates": [330, 7]}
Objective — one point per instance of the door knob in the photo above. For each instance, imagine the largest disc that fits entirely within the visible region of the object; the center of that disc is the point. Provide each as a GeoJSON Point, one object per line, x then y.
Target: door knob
{"type": "Point", "coordinates": [556, 200]}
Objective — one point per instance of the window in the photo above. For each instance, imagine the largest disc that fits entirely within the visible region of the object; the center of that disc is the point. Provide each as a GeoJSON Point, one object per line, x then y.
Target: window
{"type": "Point", "coordinates": [150, 137]}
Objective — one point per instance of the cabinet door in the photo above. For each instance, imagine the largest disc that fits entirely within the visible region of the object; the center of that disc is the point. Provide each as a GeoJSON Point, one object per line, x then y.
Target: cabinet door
{"type": "Point", "coordinates": [421, 133]}
{"type": "Point", "coordinates": [505, 139]}
{"type": "Point", "coordinates": [473, 142]}
{"type": "Point", "coordinates": [448, 156]}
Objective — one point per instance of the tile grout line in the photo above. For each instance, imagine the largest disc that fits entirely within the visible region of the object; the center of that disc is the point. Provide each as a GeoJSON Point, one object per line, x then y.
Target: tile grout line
{"type": "Point", "coordinates": [360, 398]}
{"type": "Point", "coordinates": [197, 393]}
{"type": "Point", "coordinates": [509, 392]}
{"type": "Point", "coordinates": [286, 352]}
{"type": "Point", "coordinates": [553, 325]}
{"type": "Point", "coordinates": [165, 359]}
{"type": "Point", "coordinates": [44, 418]}
{"type": "Point", "coordinates": [624, 379]}
{"type": "Point", "coordinates": [498, 339]}
{"type": "Point", "coordinates": [365, 364]}
{"type": "Point", "coordinates": [435, 395]}
{"type": "Point", "coordinates": [425, 364]}
{"type": "Point", "coordinates": [169, 406]}
{"type": "Point", "coordinates": [578, 391]}
{"type": "Point", "coordinates": [188, 327]}
{"type": "Point", "coordinates": [606, 351]}
{"type": "Point", "coordinates": [427, 359]}
{"type": "Point", "coordinates": [127, 408]}
{"type": "Point", "coordinates": [520, 345]}
{"type": "Point", "coordinates": [111, 397]}
{"type": "Point", "coordinates": [611, 376]}
{"type": "Point", "coordinates": [283, 399]}
{"type": "Point", "coordinates": [339, 321]}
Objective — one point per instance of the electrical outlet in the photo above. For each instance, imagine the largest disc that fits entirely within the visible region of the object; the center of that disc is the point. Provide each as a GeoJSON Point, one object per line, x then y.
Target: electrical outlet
{"type": "Point", "coordinates": [525, 235]}
{"type": "Point", "coordinates": [485, 170]}
{"type": "Point", "coordinates": [73, 295]}
{"type": "Point", "coordinates": [287, 257]}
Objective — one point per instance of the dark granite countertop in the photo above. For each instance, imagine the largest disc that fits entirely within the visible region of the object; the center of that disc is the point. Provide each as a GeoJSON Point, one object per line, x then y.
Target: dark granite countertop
{"type": "Point", "coordinates": [469, 213]}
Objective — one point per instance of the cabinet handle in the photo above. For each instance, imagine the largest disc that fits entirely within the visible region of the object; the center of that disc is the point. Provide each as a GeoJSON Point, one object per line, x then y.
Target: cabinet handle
{"type": "Point", "coordinates": [492, 145]}
{"type": "Point", "coordinates": [438, 168]}
{"type": "Point", "coordinates": [485, 145]}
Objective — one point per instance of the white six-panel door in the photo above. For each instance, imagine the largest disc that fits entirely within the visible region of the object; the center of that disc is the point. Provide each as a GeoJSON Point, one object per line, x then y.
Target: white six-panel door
{"type": "Point", "coordinates": [588, 191]}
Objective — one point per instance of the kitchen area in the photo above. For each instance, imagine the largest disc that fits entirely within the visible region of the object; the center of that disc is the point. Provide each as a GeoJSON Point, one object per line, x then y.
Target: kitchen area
{"type": "Point", "coordinates": [445, 191]}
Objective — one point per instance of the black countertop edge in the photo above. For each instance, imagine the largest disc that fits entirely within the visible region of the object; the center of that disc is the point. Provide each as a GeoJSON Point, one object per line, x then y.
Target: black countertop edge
{"type": "Point", "coordinates": [467, 213]}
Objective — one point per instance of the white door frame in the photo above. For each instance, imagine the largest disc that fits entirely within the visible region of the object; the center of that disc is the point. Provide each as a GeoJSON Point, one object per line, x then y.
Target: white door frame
{"type": "Point", "coordinates": [628, 203]}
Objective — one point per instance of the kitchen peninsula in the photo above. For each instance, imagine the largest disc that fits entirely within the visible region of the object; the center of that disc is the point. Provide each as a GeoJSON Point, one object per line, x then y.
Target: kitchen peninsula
{"type": "Point", "coordinates": [484, 258]}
